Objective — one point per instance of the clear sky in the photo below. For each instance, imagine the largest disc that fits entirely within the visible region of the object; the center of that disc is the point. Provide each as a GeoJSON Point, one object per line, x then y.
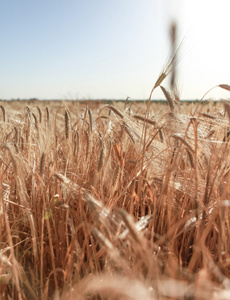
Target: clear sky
{"type": "Point", "coordinates": [114, 49]}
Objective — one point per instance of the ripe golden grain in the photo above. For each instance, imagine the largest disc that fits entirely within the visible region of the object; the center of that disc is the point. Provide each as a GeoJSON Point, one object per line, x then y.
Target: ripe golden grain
{"type": "Point", "coordinates": [83, 200]}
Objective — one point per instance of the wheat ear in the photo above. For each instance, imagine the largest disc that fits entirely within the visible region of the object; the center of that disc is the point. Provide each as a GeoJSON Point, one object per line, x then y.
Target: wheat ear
{"type": "Point", "coordinates": [67, 124]}
{"type": "Point", "coordinates": [3, 113]}
{"type": "Point", "coordinates": [42, 164]}
{"type": "Point", "coordinates": [114, 109]}
{"type": "Point", "coordinates": [169, 98]}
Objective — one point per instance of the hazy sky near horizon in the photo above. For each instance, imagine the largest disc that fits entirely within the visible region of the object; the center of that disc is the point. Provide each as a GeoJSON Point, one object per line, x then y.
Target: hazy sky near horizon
{"type": "Point", "coordinates": [114, 49]}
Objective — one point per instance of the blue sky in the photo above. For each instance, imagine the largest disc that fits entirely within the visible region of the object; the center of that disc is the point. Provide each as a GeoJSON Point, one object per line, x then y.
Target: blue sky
{"type": "Point", "coordinates": [97, 49]}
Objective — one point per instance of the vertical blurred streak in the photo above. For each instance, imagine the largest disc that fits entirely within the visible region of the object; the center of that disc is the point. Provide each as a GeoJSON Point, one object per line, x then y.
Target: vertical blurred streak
{"type": "Point", "coordinates": [173, 35]}
{"type": "Point", "coordinates": [173, 9]}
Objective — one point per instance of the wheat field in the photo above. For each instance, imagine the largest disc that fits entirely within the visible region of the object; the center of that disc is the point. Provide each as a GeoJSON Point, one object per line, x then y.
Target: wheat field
{"type": "Point", "coordinates": [119, 200]}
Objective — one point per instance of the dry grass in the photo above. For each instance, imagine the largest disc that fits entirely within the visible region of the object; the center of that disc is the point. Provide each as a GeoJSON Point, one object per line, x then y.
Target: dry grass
{"type": "Point", "coordinates": [91, 210]}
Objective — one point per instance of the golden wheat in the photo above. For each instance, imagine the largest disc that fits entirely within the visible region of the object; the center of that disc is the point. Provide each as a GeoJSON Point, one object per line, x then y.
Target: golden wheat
{"type": "Point", "coordinates": [81, 204]}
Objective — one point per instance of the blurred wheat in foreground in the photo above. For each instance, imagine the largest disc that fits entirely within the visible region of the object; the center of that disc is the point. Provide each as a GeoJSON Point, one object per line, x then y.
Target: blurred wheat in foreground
{"type": "Point", "coordinates": [116, 201]}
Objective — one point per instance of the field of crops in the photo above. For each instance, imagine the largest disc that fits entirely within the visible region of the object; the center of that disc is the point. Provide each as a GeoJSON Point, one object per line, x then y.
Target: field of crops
{"type": "Point", "coordinates": [117, 200]}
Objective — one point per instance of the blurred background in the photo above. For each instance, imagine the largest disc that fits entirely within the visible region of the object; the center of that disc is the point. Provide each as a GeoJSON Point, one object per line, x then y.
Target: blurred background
{"type": "Point", "coordinates": [109, 49]}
